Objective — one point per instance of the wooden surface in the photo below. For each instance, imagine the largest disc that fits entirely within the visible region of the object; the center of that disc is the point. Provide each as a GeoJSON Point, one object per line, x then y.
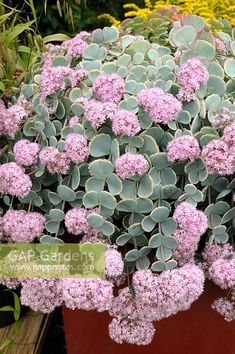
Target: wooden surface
{"type": "Point", "coordinates": [30, 337]}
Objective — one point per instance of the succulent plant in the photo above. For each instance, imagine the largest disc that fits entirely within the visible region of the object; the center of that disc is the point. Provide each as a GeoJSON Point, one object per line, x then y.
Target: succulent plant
{"type": "Point", "coordinates": [121, 146]}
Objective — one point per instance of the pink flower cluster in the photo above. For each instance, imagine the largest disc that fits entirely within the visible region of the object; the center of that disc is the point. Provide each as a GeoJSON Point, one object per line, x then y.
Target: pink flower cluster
{"type": "Point", "coordinates": [161, 107]}
{"type": "Point", "coordinates": [213, 252]}
{"type": "Point", "coordinates": [109, 87]}
{"type": "Point", "coordinates": [76, 147]}
{"type": "Point", "coordinates": [23, 227]}
{"type": "Point", "coordinates": [73, 121]}
{"type": "Point", "coordinates": [222, 272]}
{"type": "Point", "coordinates": [53, 77]}
{"type": "Point", "coordinates": [125, 123]}
{"type": "Point", "coordinates": [192, 74]}
{"type": "Point", "coordinates": [12, 283]}
{"type": "Point", "coordinates": [223, 119]}
{"type": "Point", "coordinates": [189, 218]}
{"type": "Point", "coordinates": [219, 157]}
{"type": "Point", "coordinates": [54, 160]}
{"type": "Point", "coordinates": [170, 292]}
{"type": "Point", "coordinates": [225, 308]}
{"type": "Point", "coordinates": [114, 263]}
{"type": "Point", "coordinates": [42, 295]}
{"type": "Point", "coordinates": [133, 332]}
{"type": "Point", "coordinates": [130, 165]}
{"type": "Point", "coordinates": [11, 118]}
{"type": "Point", "coordinates": [76, 223]}
{"type": "Point", "coordinates": [183, 148]}
{"type": "Point", "coordinates": [76, 45]}
{"type": "Point", "coordinates": [153, 298]}
{"type": "Point", "coordinates": [97, 112]}
{"type": "Point", "coordinates": [229, 134]}
{"type": "Point", "coordinates": [14, 181]}
{"type": "Point", "coordinates": [193, 224]}
{"type": "Point", "coordinates": [26, 153]}
{"type": "Point", "coordinates": [87, 293]}
{"type": "Point", "coordinates": [220, 46]}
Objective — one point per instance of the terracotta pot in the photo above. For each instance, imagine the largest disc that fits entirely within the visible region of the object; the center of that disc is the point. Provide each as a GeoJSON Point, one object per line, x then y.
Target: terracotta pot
{"type": "Point", "coordinates": [197, 331]}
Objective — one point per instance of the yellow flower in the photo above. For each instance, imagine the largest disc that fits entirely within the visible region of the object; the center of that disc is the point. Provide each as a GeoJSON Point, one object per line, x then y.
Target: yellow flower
{"type": "Point", "coordinates": [208, 9]}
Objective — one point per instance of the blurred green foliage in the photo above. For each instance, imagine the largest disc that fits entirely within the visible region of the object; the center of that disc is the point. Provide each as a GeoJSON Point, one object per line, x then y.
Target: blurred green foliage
{"type": "Point", "coordinates": [69, 16]}
{"type": "Point", "coordinates": [20, 45]}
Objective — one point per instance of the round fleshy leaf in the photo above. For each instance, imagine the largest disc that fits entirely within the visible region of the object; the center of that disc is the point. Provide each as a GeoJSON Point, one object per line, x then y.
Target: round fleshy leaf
{"type": "Point", "coordinates": [95, 220]}
{"type": "Point", "coordinates": [56, 215]}
{"type": "Point", "coordinates": [66, 193]}
{"type": "Point", "coordinates": [114, 184]}
{"type": "Point", "coordinates": [127, 205]}
{"type": "Point", "coordinates": [107, 200]}
{"type": "Point", "coordinates": [132, 256]}
{"type": "Point", "coordinates": [101, 168]}
{"type": "Point", "coordinates": [229, 67]}
{"type": "Point", "coordinates": [158, 266]}
{"type": "Point", "coordinates": [184, 36]}
{"type": "Point", "coordinates": [160, 214]}
{"type": "Point", "coordinates": [156, 240]}
{"type": "Point", "coordinates": [90, 200]}
{"type": "Point", "coordinates": [100, 145]}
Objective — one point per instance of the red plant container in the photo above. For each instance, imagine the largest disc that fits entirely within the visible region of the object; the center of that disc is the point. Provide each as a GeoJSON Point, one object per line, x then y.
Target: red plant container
{"type": "Point", "coordinates": [197, 331]}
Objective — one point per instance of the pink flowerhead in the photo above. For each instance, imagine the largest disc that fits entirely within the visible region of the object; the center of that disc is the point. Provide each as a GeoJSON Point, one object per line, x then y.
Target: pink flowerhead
{"type": "Point", "coordinates": [53, 77]}
{"type": "Point", "coordinates": [161, 107]}
{"type": "Point", "coordinates": [218, 158]}
{"type": "Point", "coordinates": [14, 181]}
{"type": "Point", "coordinates": [127, 305]}
{"type": "Point", "coordinates": [213, 252]}
{"type": "Point", "coordinates": [224, 118]}
{"type": "Point", "coordinates": [114, 263]}
{"type": "Point", "coordinates": [125, 123]}
{"type": "Point", "coordinates": [54, 160]}
{"type": "Point", "coordinates": [97, 112]}
{"type": "Point", "coordinates": [187, 244]}
{"type": "Point", "coordinates": [87, 294]}
{"type": "Point", "coordinates": [171, 291]}
{"type": "Point", "coordinates": [220, 46]}
{"type": "Point", "coordinates": [225, 308]}
{"type": "Point", "coordinates": [73, 121]}
{"type": "Point", "coordinates": [76, 45]}
{"type": "Point", "coordinates": [229, 134]}
{"type": "Point", "coordinates": [23, 227]}
{"type": "Point", "coordinates": [11, 118]}
{"type": "Point", "coordinates": [183, 148]}
{"type": "Point", "coordinates": [76, 223]}
{"type": "Point", "coordinates": [130, 165]}
{"type": "Point", "coordinates": [190, 219]}
{"type": "Point", "coordinates": [192, 74]}
{"type": "Point", "coordinates": [133, 332]}
{"type": "Point", "coordinates": [222, 272]}
{"type": "Point", "coordinates": [42, 295]}
{"type": "Point", "coordinates": [11, 283]}
{"type": "Point", "coordinates": [109, 87]}
{"type": "Point", "coordinates": [26, 153]}
{"type": "Point", "coordinates": [76, 147]}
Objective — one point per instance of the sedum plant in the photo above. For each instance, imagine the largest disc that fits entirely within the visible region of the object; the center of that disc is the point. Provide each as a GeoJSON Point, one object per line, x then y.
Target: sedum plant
{"type": "Point", "coordinates": [119, 140]}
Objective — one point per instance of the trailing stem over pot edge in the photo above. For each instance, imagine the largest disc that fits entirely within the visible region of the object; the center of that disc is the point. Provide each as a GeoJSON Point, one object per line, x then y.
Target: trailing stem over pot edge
{"type": "Point", "coordinates": [115, 139]}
